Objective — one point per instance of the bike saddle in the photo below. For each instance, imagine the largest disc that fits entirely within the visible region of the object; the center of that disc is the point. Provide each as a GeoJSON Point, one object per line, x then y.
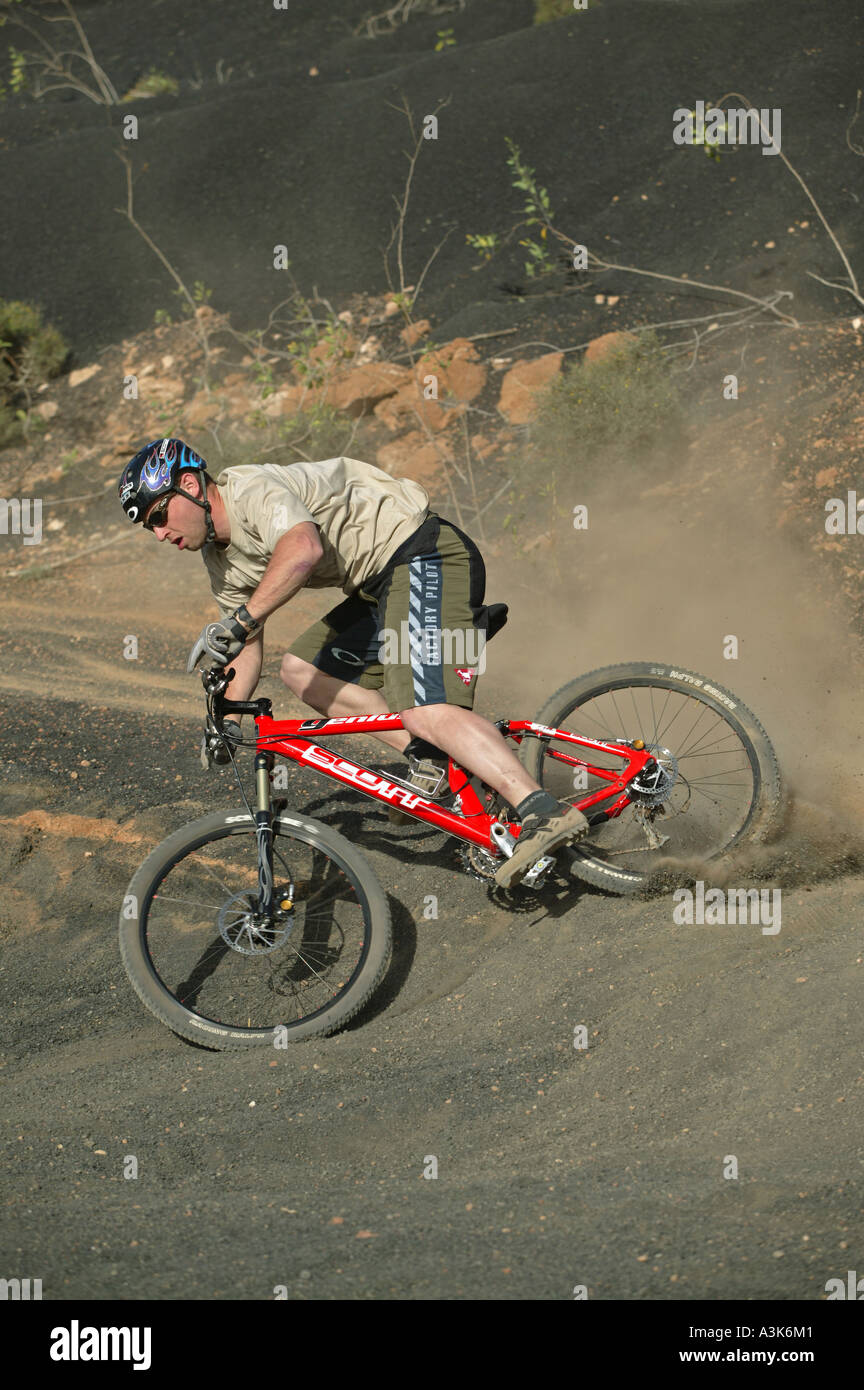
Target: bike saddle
{"type": "Point", "coordinates": [495, 615]}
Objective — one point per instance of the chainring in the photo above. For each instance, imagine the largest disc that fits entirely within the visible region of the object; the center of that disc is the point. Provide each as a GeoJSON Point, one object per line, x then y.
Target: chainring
{"type": "Point", "coordinates": [477, 862]}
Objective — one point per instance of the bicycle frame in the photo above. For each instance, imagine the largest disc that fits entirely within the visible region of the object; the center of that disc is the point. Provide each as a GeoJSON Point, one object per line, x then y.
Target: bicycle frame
{"type": "Point", "coordinates": [289, 738]}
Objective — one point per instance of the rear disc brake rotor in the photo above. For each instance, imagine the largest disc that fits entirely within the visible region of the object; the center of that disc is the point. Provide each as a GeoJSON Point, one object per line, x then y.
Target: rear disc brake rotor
{"type": "Point", "coordinates": [653, 785]}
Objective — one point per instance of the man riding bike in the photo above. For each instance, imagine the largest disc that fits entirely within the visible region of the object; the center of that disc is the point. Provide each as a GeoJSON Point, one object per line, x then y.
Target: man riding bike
{"type": "Point", "coordinates": [267, 531]}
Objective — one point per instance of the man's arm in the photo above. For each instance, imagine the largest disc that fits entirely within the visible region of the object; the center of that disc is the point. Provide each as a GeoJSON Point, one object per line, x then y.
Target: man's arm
{"type": "Point", "coordinates": [294, 557]}
{"type": "Point", "coordinates": [247, 666]}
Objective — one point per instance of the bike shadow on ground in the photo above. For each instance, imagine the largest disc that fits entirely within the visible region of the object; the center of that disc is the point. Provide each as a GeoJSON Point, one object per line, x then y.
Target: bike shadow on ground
{"type": "Point", "coordinates": [366, 825]}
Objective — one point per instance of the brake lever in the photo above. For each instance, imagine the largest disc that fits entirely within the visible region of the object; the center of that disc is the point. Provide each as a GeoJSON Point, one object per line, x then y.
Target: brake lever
{"type": "Point", "coordinates": [195, 655]}
{"type": "Point", "coordinates": [215, 681]}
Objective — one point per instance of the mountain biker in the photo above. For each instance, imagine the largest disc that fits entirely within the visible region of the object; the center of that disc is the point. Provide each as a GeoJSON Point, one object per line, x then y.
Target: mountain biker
{"type": "Point", "coordinates": [267, 531]}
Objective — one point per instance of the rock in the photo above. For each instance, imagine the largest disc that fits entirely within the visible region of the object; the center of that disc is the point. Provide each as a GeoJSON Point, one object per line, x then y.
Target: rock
{"type": "Point", "coordinates": [46, 410]}
{"type": "Point", "coordinates": [482, 446]}
{"type": "Point", "coordinates": [400, 412]}
{"type": "Point", "coordinates": [167, 362]}
{"type": "Point", "coordinates": [288, 401]}
{"type": "Point", "coordinates": [412, 456]}
{"type": "Point", "coordinates": [120, 432]}
{"type": "Point", "coordinates": [460, 372]}
{"type": "Point", "coordinates": [163, 390]}
{"type": "Point", "coordinates": [360, 390]}
{"type": "Point", "coordinates": [414, 332]}
{"type": "Point", "coordinates": [82, 374]}
{"type": "Point", "coordinates": [370, 349]}
{"type": "Point", "coordinates": [608, 343]}
{"type": "Point", "coordinates": [238, 402]}
{"type": "Point", "coordinates": [334, 350]}
{"type": "Point", "coordinates": [201, 409]}
{"type": "Point", "coordinates": [519, 388]}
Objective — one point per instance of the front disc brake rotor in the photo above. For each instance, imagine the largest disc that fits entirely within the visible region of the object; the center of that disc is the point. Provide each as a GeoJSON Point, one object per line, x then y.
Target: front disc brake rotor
{"type": "Point", "coordinates": [241, 928]}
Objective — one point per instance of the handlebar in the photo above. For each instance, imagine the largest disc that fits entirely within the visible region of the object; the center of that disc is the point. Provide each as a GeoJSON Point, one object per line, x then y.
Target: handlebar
{"type": "Point", "coordinates": [215, 682]}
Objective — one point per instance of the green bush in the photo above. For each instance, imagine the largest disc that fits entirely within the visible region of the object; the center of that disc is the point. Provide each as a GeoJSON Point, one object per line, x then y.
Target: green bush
{"type": "Point", "coordinates": [626, 398]}
{"type": "Point", "coordinates": [321, 433]}
{"type": "Point", "coordinates": [544, 10]}
{"type": "Point", "coordinates": [31, 352]}
{"type": "Point", "coordinates": [318, 433]}
{"type": "Point", "coordinates": [152, 84]}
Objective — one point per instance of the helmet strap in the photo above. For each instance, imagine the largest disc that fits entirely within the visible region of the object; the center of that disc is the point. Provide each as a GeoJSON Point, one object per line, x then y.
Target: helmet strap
{"type": "Point", "coordinates": [211, 529]}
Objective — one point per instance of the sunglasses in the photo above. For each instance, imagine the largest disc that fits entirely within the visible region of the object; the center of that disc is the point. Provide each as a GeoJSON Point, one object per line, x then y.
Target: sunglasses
{"type": "Point", "coordinates": [159, 514]}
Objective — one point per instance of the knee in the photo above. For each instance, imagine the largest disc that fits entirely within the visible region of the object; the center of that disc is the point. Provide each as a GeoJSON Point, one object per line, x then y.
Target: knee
{"type": "Point", "coordinates": [422, 720]}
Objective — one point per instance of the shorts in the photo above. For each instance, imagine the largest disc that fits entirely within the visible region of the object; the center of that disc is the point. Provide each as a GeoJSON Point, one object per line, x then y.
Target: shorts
{"type": "Point", "coordinates": [416, 631]}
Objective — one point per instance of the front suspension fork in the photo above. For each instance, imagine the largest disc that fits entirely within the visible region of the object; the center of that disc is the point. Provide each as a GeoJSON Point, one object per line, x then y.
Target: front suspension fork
{"type": "Point", "coordinates": [264, 834]}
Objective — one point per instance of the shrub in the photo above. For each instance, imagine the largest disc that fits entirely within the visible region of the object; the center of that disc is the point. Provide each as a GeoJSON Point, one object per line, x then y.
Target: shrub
{"type": "Point", "coordinates": [31, 352]}
{"type": "Point", "coordinates": [317, 433]}
{"type": "Point", "coordinates": [545, 10]}
{"type": "Point", "coordinates": [321, 433]}
{"type": "Point", "coordinates": [152, 84]}
{"type": "Point", "coordinates": [623, 399]}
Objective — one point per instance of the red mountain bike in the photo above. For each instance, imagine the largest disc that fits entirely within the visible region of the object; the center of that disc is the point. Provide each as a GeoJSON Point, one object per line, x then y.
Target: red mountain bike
{"type": "Point", "coordinates": [259, 926]}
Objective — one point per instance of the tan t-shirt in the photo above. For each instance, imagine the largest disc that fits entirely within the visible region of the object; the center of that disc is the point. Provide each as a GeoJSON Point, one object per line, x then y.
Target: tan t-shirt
{"type": "Point", "coordinates": [362, 514]}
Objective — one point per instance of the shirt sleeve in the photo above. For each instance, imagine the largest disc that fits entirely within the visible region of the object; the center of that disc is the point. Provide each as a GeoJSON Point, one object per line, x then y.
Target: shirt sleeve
{"type": "Point", "coordinates": [268, 509]}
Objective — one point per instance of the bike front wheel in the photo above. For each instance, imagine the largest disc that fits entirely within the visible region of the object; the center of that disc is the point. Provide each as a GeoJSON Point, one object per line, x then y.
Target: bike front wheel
{"type": "Point", "coordinates": [725, 783]}
{"type": "Point", "coordinates": [198, 959]}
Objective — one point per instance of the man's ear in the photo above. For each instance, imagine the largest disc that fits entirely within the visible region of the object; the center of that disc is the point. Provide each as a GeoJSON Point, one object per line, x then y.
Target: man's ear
{"type": "Point", "coordinates": [191, 483]}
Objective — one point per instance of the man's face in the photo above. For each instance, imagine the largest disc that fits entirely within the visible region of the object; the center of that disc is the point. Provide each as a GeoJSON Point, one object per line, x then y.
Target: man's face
{"type": "Point", "coordinates": [181, 522]}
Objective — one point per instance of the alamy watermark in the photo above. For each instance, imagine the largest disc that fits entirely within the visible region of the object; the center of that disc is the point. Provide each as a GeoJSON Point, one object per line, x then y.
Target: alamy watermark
{"type": "Point", "coordinates": [433, 646]}
{"type": "Point", "coordinates": [21, 516]}
{"type": "Point", "coordinates": [77, 1343]}
{"type": "Point", "coordinates": [17, 1290]}
{"type": "Point", "coordinates": [734, 125]}
{"type": "Point", "coordinates": [733, 906]}
{"type": "Point", "coordinates": [845, 516]}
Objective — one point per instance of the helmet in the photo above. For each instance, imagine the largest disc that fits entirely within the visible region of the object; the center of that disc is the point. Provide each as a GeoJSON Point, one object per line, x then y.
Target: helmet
{"type": "Point", "coordinates": [154, 471]}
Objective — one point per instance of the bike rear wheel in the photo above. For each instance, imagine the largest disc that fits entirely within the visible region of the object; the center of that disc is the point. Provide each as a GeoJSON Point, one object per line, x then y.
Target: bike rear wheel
{"type": "Point", "coordinates": [198, 961]}
{"type": "Point", "coordinates": [727, 783]}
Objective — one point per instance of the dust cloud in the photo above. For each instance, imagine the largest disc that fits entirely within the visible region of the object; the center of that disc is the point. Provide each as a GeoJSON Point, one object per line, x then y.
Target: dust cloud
{"type": "Point", "coordinates": [686, 548]}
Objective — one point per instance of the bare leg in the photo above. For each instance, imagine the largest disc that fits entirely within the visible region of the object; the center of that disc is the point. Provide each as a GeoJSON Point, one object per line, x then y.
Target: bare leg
{"type": "Point", "coordinates": [474, 743]}
{"type": "Point", "coordinates": [333, 697]}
